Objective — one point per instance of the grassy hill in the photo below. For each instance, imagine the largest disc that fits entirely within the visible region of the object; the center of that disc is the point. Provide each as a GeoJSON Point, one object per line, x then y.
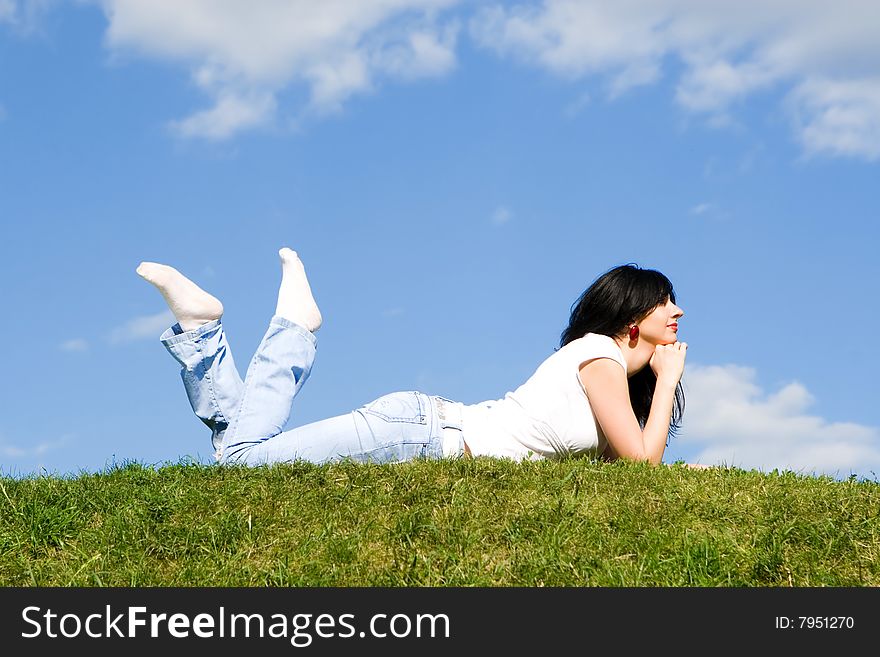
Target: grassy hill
{"type": "Point", "coordinates": [476, 522]}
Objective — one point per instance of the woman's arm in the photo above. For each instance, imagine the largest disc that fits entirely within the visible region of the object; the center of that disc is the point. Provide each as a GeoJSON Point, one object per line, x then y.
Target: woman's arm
{"type": "Point", "coordinates": [608, 391]}
{"type": "Point", "coordinates": [608, 454]}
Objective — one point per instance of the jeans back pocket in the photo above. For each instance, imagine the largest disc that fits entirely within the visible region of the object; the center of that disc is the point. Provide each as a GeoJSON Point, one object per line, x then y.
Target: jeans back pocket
{"type": "Point", "coordinates": [409, 407]}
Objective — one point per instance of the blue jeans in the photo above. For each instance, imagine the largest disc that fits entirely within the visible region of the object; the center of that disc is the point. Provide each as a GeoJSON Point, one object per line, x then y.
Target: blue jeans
{"type": "Point", "coordinates": [247, 417]}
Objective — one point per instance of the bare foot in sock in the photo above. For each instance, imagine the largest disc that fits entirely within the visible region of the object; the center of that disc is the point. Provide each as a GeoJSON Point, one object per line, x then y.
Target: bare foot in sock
{"type": "Point", "coordinates": [191, 305]}
{"type": "Point", "coordinates": [295, 300]}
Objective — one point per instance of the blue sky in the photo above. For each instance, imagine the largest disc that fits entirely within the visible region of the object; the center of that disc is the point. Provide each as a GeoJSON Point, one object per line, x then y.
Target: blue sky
{"type": "Point", "coordinates": [453, 174]}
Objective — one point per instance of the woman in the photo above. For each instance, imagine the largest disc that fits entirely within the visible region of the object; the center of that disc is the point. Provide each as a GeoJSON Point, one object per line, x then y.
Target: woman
{"type": "Point", "coordinates": [612, 390]}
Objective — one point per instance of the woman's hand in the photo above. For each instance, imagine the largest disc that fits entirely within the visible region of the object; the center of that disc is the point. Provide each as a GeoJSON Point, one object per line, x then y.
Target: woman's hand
{"type": "Point", "coordinates": [667, 362]}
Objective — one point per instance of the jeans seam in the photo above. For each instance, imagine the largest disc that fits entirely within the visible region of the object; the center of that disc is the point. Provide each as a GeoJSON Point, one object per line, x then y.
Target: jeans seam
{"type": "Point", "coordinates": [210, 379]}
{"type": "Point", "coordinates": [252, 370]}
{"type": "Point", "coordinates": [218, 449]}
{"type": "Point", "coordinates": [367, 424]}
{"type": "Point", "coordinates": [397, 420]}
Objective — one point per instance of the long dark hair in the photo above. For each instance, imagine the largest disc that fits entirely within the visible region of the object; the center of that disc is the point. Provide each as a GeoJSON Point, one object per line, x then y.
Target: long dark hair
{"type": "Point", "coordinates": [624, 295]}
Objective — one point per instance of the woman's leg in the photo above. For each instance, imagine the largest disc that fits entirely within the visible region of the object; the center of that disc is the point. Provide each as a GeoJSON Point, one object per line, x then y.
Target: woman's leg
{"type": "Point", "coordinates": [397, 427]}
{"type": "Point", "coordinates": [277, 372]}
{"type": "Point", "coordinates": [198, 343]}
{"type": "Point", "coordinates": [209, 374]}
{"type": "Point", "coordinates": [247, 417]}
{"type": "Point", "coordinates": [281, 364]}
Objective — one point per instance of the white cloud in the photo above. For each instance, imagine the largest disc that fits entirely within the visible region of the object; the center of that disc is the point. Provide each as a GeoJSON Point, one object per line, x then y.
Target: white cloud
{"type": "Point", "coordinates": [825, 54]}
{"type": "Point", "coordinates": [842, 118]}
{"type": "Point", "coordinates": [419, 53]}
{"type": "Point", "coordinates": [730, 420]}
{"type": "Point", "coordinates": [142, 328]}
{"type": "Point", "coordinates": [243, 54]}
{"type": "Point", "coordinates": [231, 114]}
{"type": "Point", "coordinates": [572, 39]}
{"type": "Point", "coordinates": [75, 344]}
{"type": "Point", "coordinates": [701, 208]}
{"type": "Point", "coordinates": [711, 85]}
{"type": "Point", "coordinates": [501, 215]}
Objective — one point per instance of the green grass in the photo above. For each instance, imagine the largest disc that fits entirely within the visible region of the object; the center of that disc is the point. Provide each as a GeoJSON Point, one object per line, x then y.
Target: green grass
{"type": "Point", "coordinates": [475, 522]}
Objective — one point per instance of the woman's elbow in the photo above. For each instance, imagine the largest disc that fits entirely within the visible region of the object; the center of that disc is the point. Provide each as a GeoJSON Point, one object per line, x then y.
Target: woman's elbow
{"type": "Point", "coordinates": [637, 457]}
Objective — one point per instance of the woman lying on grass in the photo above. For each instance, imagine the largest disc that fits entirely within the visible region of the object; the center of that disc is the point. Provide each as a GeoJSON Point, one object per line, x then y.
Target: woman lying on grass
{"type": "Point", "coordinates": [612, 390]}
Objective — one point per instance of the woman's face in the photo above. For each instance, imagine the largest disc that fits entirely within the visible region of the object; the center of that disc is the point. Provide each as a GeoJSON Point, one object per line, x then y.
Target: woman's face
{"type": "Point", "coordinates": [660, 326]}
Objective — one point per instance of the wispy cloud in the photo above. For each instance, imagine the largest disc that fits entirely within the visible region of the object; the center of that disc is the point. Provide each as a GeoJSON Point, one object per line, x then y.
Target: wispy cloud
{"type": "Point", "coordinates": [232, 113]}
{"type": "Point", "coordinates": [41, 448]}
{"type": "Point", "coordinates": [825, 55]}
{"type": "Point", "coordinates": [145, 327]}
{"type": "Point", "coordinates": [392, 312]}
{"type": "Point", "coordinates": [577, 106]}
{"type": "Point", "coordinates": [75, 344]}
{"type": "Point", "coordinates": [25, 15]}
{"type": "Point", "coordinates": [7, 10]}
{"type": "Point", "coordinates": [242, 55]}
{"type": "Point", "coordinates": [709, 212]}
{"type": "Point", "coordinates": [501, 215]}
{"type": "Point", "coordinates": [729, 419]}
{"type": "Point", "coordinates": [839, 117]}
{"type": "Point", "coordinates": [751, 159]}
{"type": "Point", "coordinates": [702, 208]}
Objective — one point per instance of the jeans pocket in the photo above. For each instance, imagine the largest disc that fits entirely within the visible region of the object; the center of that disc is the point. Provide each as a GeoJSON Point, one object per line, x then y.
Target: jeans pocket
{"type": "Point", "coordinates": [406, 407]}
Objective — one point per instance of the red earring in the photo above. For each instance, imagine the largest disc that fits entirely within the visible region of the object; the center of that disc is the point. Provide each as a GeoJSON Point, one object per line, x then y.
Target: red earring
{"type": "Point", "coordinates": [634, 333]}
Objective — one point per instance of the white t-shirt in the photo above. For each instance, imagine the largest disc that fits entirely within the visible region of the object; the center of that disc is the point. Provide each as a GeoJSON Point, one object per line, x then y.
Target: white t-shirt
{"type": "Point", "coordinates": [549, 416]}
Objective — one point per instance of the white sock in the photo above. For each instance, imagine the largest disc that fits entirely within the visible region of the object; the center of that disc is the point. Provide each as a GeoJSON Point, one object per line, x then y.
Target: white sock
{"type": "Point", "coordinates": [295, 300]}
{"type": "Point", "coordinates": [191, 305]}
